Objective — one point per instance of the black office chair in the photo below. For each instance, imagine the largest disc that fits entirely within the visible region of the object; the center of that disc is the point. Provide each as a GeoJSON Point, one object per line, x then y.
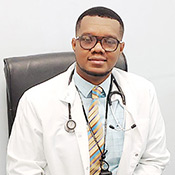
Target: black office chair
{"type": "Point", "coordinates": [22, 73]}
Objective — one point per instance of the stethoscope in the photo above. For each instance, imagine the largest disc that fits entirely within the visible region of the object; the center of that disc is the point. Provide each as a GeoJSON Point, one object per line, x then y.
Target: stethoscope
{"type": "Point", "coordinates": [70, 125]}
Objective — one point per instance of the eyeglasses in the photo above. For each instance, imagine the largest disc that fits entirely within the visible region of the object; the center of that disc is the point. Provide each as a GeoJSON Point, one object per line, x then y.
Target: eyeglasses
{"type": "Point", "coordinates": [109, 44]}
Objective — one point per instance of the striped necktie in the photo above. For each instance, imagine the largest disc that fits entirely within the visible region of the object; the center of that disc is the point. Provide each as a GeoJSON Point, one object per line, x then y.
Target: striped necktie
{"type": "Point", "coordinates": [97, 129]}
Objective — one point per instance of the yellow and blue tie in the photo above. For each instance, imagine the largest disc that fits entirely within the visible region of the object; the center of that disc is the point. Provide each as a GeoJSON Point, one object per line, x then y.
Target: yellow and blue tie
{"type": "Point", "coordinates": [97, 129]}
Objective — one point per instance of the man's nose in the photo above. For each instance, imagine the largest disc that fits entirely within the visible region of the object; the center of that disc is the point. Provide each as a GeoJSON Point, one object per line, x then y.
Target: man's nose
{"type": "Point", "coordinates": [98, 48]}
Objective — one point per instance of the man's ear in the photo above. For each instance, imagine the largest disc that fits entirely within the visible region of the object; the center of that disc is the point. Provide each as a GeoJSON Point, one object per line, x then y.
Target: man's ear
{"type": "Point", "coordinates": [73, 44]}
{"type": "Point", "coordinates": [122, 45]}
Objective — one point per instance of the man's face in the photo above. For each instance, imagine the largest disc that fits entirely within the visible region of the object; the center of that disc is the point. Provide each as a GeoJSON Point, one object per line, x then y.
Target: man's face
{"type": "Point", "coordinates": [96, 64]}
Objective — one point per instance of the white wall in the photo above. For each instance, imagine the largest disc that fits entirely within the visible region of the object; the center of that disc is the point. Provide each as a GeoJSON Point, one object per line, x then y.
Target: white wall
{"type": "Point", "coordinates": [41, 26]}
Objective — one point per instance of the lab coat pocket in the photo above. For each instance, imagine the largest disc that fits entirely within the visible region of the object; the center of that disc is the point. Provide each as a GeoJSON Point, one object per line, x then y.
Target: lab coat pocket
{"type": "Point", "coordinates": [141, 141]}
{"type": "Point", "coordinates": [139, 144]}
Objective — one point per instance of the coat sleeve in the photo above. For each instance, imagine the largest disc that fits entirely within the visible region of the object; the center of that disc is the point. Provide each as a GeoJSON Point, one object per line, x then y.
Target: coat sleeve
{"type": "Point", "coordinates": [25, 149]}
{"type": "Point", "coordinates": [156, 155]}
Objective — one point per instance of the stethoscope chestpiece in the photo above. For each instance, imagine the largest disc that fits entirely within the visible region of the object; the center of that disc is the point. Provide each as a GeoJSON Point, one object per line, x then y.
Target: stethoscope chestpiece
{"type": "Point", "coordinates": [104, 168]}
{"type": "Point", "coordinates": [70, 126]}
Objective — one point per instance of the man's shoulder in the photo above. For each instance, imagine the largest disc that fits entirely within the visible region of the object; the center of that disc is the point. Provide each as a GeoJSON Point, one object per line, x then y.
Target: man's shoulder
{"type": "Point", "coordinates": [135, 87]}
{"type": "Point", "coordinates": [131, 79]}
{"type": "Point", "coordinates": [48, 87]}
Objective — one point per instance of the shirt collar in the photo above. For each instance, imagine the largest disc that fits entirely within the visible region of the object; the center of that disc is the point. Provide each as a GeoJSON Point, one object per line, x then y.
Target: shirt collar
{"type": "Point", "coordinates": [85, 87]}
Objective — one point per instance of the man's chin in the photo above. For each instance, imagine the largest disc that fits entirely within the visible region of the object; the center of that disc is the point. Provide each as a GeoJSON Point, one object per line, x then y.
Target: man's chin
{"type": "Point", "coordinates": [97, 74]}
{"type": "Point", "coordinates": [94, 73]}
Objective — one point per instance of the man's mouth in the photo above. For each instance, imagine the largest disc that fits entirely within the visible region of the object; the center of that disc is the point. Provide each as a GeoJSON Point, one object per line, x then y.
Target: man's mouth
{"type": "Point", "coordinates": [97, 60]}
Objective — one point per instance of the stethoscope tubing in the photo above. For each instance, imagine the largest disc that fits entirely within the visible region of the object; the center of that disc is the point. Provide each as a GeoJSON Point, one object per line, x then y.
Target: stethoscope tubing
{"type": "Point", "coordinates": [119, 127]}
{"type": "Point", "coordinates": [71, 124]}
{"type": "Point", "coordinates": [109, 102]}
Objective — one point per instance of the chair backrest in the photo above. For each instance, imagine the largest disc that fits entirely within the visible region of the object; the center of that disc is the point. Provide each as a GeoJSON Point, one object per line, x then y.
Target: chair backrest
{"type": "Point", "coordinates": [22, 73]}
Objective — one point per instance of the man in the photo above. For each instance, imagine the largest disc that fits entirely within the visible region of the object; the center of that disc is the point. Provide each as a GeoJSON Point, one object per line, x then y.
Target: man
{"type": "Point", "coordinates": [121, 134]}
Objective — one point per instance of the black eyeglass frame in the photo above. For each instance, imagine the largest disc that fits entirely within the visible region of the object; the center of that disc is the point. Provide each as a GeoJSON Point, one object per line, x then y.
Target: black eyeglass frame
{"type": "Point", "coordinates": [98, 38]}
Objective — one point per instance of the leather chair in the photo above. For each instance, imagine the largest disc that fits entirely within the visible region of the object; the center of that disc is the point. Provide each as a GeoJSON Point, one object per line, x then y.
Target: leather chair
{"type": "Point", "coordinates": [22, 73]}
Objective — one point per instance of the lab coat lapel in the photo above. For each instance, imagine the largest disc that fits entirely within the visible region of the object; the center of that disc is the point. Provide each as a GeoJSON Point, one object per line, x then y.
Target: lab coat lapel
{"type": "Point", "coordinates": [133, 138]}
{"type": "Point", "coordinates": [81, 132]}
{"type": "Point", "coordinates": [71, 96]}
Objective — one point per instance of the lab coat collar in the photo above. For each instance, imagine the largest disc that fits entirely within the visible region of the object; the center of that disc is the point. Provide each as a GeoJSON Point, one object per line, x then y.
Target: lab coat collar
{"type": "Point", "coordinates": [68, 95]}
{"type": "Point", "coordinates": [69, 92]}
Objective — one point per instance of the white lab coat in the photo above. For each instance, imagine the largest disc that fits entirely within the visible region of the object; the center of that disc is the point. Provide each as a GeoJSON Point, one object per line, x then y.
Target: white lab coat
{"type": "Point", "coordinates": [39, 143]}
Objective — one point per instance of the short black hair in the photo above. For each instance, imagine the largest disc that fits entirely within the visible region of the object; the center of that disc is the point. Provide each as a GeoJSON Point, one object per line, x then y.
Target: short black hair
{"type": "Point", "coordinates": [101, 12]}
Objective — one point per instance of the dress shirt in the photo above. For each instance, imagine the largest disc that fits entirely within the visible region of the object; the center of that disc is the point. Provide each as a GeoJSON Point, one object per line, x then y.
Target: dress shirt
{"type": "Point", "coordinates": [114, 139]}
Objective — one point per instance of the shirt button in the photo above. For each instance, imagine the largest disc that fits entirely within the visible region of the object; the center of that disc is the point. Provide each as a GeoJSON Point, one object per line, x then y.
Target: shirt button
{"type": "Point", "coordinates": [87, 168]}
{"type": "Point", "coordinates": [136, 155]}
